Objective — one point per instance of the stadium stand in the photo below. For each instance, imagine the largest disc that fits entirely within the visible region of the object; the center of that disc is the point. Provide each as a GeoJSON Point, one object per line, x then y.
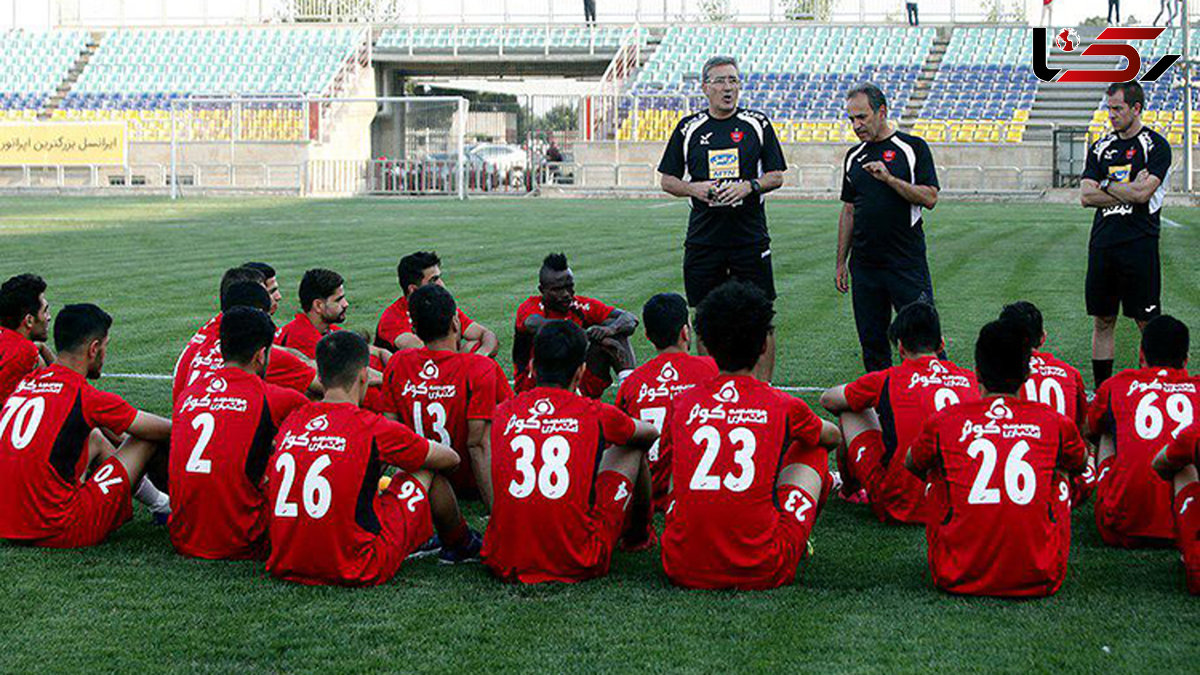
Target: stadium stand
{"type": "Point", "coordinates": [136, 74]}
{"type": "Point", "coordinates": [1164, 99]}
{"type": "Point", "coordinates": [984, 90]}
{"type": "Point", "coordinates": [522, 39]}
{"type": "Point", "coordinates": [795, 74]}
{"type": "Point", "coordinates": [32, 66]}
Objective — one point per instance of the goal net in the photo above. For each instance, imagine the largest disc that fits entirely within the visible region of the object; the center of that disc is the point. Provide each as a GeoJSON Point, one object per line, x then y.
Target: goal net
{"type": "Point", "coordinates": [319, 146]}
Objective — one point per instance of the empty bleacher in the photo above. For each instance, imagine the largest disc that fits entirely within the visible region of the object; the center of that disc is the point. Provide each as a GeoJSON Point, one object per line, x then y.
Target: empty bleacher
{"type": "Point", "coordinates": [983, 91]}
{"type": "Point", "coordinates": [797, 75]}
{"type": "Point", "coordinates": [136, 74]}
{"type": "Point", "coordinates": [32, 66]}
{"type": "Point", "coordinates": [425, 40]}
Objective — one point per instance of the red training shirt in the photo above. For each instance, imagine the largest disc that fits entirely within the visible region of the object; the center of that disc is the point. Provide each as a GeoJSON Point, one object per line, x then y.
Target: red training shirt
{"type": "Point", "coordinates": [44, 428]}
{"type": "Point", "coordinates": [18, 358]}
{"type": "Point", "coordinates": [546, 446]}
{"type": "Point", "coordinates": [1000, 515]}
{"type": "Point", "coordinates": [202, 355]}
{"type": "Point", "coordinates": [584, 312]}
{"type": "Point", "coordinates": [395, 322]}
{"type": "Point", "coordinates": [221, 438]}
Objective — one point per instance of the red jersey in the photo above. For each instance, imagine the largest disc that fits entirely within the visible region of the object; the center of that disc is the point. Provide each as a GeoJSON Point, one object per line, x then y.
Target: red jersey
{"type": "Point", "coordinates": [221, 436]}
{"type": "Point", "coordinates": [395, 322]}
{"type": "Point", "coordinates": [44, 428]}
{"type": "Point", "coordinates": [726, 438]}
{"type": "Point", "coordinates": [1057, 384]}
{"type": "Point", "coordinates": [18, 358]}
{"type": "Point", "coordinates": [1143, 410]}
{"type": "Point", "coordinates": [546, 446]}
{"type": "Point", "coordinates": [904, 396]}
{"type": "Point", "coordinates": [1185, 449]}
{"type": "Point", "coordinates": [584, 312]}
{"type": "Point", "coordinates": [435, 393]}
{"type": "Point", "coordinates": [647, 393]}
{"type": "Point", "coordinates": [300, 334]}
{"type": "Point", "coordinates": [322, 483]}
{"type": "Point", "coordinates": [1000, 517]}
{"type": "Point", "coordinates": [202, 355]}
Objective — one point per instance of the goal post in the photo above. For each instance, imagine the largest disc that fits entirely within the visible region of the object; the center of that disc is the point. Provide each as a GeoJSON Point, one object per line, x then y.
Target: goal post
{"type": "Point", "coordinates": [412, 145]}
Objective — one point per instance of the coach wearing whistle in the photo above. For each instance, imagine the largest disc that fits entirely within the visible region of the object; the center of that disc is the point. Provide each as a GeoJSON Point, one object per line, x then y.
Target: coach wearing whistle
{"type": "Point", "coordinates": [725, 159]}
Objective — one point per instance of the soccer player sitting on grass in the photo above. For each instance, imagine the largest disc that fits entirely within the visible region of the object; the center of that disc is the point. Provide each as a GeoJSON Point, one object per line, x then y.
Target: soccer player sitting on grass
{"type": "Point", "coordinates": [270, 282]}
{"type": "Point", "coordinates": [329, 522]}
{"type": "Point", "coordinates": [608, 329]}
{"type": "Point", "coordinates": [324, 304]}
{"type": "Point", "coordinates": [1177, 464]}
{"type": "Point", "coordinates": [999, 518]}
{"type": "Point", "coordinates": [445, 395]}
{"type": "Point", "coordinates": [224, 424]}
{"type": "Point", "coordinates": [742, 508]}
{"type": "Point", "coordinates": [1054, 382]}
{"type": "Point", "coordinates": [1135, 414]}
{"type": "Point", "coordinates": [395, 332]}
{"type": "Point", "coordinates": [24, 328]}
{"type": "Point", "coordinates": [649, 390]}
{"type": "Point", "coordinates": [563, 470]}
{"type": "Point", "coordinates": [62, 483]}
{"type": "Point", "coordinates": [202, 354]}
{"type": "Point", "coordinates": [881, 413]}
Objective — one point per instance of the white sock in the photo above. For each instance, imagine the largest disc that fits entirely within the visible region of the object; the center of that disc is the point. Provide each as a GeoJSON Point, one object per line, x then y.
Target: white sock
{"type": "Point", "coordinates": [155, 499]}
{"type": "Point", "coordinates": [623, 374]}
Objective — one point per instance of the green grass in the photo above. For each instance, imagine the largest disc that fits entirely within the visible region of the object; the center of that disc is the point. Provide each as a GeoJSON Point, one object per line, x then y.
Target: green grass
{"type": "Point", "coordinates": [865, 602]}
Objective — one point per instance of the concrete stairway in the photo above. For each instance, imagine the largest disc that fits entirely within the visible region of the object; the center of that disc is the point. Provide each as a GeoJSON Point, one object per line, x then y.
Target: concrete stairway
{"type": "Point", "coordinates": [929, 71]}
{"type": "Point", "coordinates": [1069, 104]}
{"type": "Point", "coordinates": [72, 77]}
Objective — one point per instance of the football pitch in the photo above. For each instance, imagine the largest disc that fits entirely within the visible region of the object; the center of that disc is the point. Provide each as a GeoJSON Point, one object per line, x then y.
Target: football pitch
{"type": "Point", "coordinates": [864, 601]}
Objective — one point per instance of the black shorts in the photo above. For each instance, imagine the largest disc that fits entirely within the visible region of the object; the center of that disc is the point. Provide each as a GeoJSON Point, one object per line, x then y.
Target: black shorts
{"type": "Point", "coordinates": [706, 267]}
{"type": "Point", "coordinates": [1126, 274]}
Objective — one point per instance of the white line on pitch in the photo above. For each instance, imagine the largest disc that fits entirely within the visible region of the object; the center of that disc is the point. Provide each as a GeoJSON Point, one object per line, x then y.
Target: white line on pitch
{"type": "Point", "coordinates": [1170, 222]}
{"type": "Point", "coordinates": [664, 205]}
{"type": "Point", "coordinates": [156, 376]}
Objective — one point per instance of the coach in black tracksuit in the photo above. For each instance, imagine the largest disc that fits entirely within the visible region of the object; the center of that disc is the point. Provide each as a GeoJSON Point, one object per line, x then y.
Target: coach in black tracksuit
{"type": "Point", "coordinates": [725, 159]}
{"type": "Point", "coordinates": [886, 181]}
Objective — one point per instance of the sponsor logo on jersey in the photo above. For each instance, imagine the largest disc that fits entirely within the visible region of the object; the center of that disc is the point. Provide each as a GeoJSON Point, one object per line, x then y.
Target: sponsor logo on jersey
{"type": "Point", "coordinates": [1131, 153]}
{"type": "Point", "coordinates": [1137, 387]}
{"type": "Point", "coordinates": [741, 416]}
{"type": "Point", "coordinates": [214, 402]}
{"type": "Point", "coordinates": [999, 411]}
{"type": "Point", "coordinates": [889, 155]}
{"type": "Point", "coordinates": [313, 442]}
{"type": "Point", "coordinates": [1110, 153]}
{"type": "Point", "coordinates": [429, 371]}
{"type": "Point", "coordinates": [728, 393]}
{"type": "Point", "coordinates": [1038, 366]}
{"type": "Point", "coordinates": [1118, 210]}
{"type": "Point", "coordinates": [1120, 174]}
{"type": "Point", "coordinates": [938, 376]}
{"type": "Point", "coordinates": [668, 373]}
{"type": "Point", "coordinates": [32, 386]}
{"type": "Point", "coordinates": [723, 163]}
{"type": "Point", "coordinates": [539, 420]}
{"type": "Point", "coordinates": [704, 138]}
{"type": "Point", "coordinates": [668, 385]}
{"type": "Point", "coordinates": [736, 136]}
{"type": "Point", "coordinates": [318, 423]}
{"type": "Point", "coordinates": [217, 385]}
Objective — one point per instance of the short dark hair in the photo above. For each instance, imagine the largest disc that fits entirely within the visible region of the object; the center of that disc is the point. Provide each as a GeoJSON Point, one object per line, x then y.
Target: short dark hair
{"type": "Point", "coordinates": [558, 350]}
{"type": "Point", "coordinates": [318, 284]}
{"type": "Point", "coordinates": [244, 331]}
{"type": "Point", "coordinates": [717, 62]}
{"type": "Point", "coordinates": [664, 315]}
{"type": "Point", "coordinates": [918, 327]}
{"type": "Point", "coordinates": [246, 294]}
{"type": "Point", "coordinates": [411, 269]}
{"type": "Point", "coordinates": [874, 94]}
{"type": "Point", "coordinates": [19, 298]}
{"type": "Point", "coordinates": [268, 272]}
{"type": "Point", "coordinates": [1002, 357]}
{"type": "Point", "coordinates": [555, 262]}
{"type": "Point", "coordinates": [1165, 342]}
{"type": "Point", "coordinates": [432, 310]}
{"type": "Point", "coordinates": [77, 325]}
{"type": "Point", "coordinates": [734, 321]}
{"type": "Point", "coordinates": [1132, 91]}
{"type": "Point", "coordinates": [341, 356]}
{"type": "Point", "coordinates": [1026, 315]}
{"type": "Point", "coordinates": [234, 275]}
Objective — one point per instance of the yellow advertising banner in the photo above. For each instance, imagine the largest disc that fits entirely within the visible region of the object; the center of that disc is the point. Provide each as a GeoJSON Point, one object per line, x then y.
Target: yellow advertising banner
{"type": "Point", "coordinates": [66, 143]}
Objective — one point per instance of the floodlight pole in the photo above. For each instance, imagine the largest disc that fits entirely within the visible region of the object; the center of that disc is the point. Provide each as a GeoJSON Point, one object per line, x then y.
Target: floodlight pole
{"type": "Point", "coordinates": [1187, 99]}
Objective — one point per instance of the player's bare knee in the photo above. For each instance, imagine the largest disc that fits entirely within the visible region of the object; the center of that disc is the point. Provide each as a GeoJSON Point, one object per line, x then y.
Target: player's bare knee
{"type": "Point", "coordinates": [1105, 324]}
{"type": "Point", "coordinates": [424, 477]}
{"type": "Point", "coordinates": [134, 454]}
{"type": "Point", "coordinates": [1187, 476]}
{"type": "Point", "coordinates": [855, 424]}
{"type": "Point", "coordinates": [802, 476]}
{"type": "Point", "coordinates": [623, 460]}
